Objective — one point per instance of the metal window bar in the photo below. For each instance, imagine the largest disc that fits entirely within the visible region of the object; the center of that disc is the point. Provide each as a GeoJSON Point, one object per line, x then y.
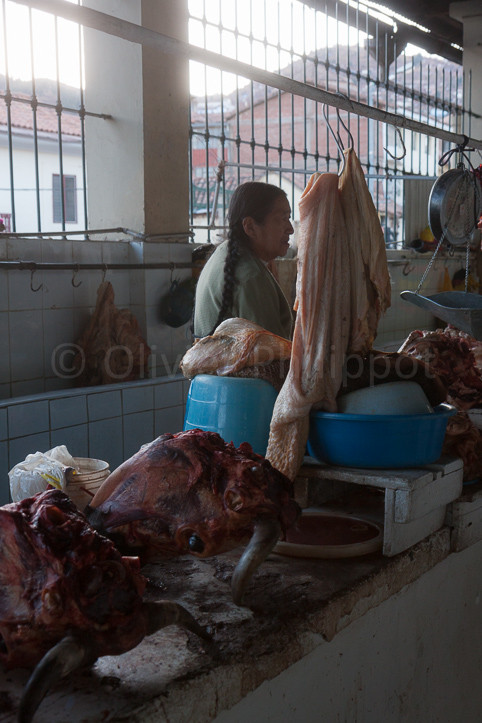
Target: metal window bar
{"type": "Point", "coordinates": [337, 75]}
{"type": "Point", "coordinates": [13, 99]}
{"type": "Point", "coordinates": [398, 87]}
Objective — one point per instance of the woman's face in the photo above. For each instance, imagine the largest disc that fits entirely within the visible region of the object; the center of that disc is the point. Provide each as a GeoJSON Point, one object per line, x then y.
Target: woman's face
{"type": "Point", "coordinates": [270, 238]}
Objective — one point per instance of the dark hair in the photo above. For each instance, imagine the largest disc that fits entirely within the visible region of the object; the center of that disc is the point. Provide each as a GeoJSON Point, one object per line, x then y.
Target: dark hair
{"type": "Point", "coordinates": [255, 199]}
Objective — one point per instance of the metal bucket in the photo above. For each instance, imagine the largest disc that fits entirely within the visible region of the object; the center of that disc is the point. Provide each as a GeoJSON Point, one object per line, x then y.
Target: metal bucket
{"type": "Point", "coordinates": [85, 480]}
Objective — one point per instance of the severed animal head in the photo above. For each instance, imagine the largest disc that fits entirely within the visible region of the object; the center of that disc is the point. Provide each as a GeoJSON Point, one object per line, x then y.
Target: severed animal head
{"type": "Point", "coordinates": [67, 595]}
{"type": "Point", "coordinates": [192, 493]}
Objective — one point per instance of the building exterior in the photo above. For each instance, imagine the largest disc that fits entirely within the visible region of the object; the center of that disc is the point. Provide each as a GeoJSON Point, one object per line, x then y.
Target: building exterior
{"type": "Point", "coordinates": [36, 156]}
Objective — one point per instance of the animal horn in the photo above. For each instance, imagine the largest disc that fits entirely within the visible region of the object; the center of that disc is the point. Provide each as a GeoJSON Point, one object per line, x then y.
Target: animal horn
{"type": "Point", "coordinates": [265, 536]}
{"type": "Point", "coordinates": [162, 613]}
{"type": "Point", "coordinates": [66, 656]}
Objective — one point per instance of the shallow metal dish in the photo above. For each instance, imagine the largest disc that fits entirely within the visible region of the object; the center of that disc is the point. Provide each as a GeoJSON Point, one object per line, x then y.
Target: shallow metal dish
{"type": "Point", "coordinates": [459, 308]}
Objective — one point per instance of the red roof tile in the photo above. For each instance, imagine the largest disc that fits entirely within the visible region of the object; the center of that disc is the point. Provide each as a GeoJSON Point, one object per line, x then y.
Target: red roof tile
{"type": "Point", "coordinates": [22, 116]}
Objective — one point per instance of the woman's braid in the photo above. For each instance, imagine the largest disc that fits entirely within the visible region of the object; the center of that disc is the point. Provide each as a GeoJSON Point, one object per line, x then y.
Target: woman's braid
{"type": "Point", "coordinates": [232, 258]}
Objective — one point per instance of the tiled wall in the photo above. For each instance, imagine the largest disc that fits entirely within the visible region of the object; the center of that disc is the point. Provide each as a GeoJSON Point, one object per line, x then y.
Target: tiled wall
{"type": "Point", "coordinates": [406, 272]}
{"type": "Point", "coordinates": [51, 309]}
{"type": "Point", "coordinates": [107, 422]}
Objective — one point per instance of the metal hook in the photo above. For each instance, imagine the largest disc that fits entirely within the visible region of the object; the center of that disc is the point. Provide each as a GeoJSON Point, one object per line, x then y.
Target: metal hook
{"type": "Point", "coordinates": [76, 286]}
{"type": "Point", "coordinates": [104, 272]}
{"type": "Point", "coordinates": [172, 266]}
{"type": "Point", "coordinates": [407, 269]}
{"type": "Point", "coordinates": [352, 142]}
{"type": "Point", "coordinates": [336, 138]}
{"type": "Point", "coordinates": [31, 281]}
{"type": "Point", "coordinates": [397, 158]}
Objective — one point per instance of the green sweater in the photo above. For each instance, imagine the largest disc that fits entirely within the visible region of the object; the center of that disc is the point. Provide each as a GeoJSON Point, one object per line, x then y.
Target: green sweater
{"type": "Point", "coordinates": [257, 295]}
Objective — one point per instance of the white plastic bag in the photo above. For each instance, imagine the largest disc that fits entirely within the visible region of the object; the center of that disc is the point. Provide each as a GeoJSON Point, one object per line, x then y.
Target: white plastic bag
{"type": "Point", "coordinates": [40, 470]}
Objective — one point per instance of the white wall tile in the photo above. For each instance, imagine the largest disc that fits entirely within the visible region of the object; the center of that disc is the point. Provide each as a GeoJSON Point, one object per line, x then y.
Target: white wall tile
{"type": "Point", "coordinates": [103, 405]}
{"type": "Point", "coordinates": [169, 394]}
{"type": "Point", "coordinates": [3, 424]}
{"type": "Point", "coordinates": [3, 290]}
{"type": "Point", "coordinates": [56, 250]}
{"type": "Point", "coordinates": [58, 292]}
{"type": "Point", "coordinates": [27, 388]}
{"type": "Point", "coordinates": [180, 252]}
{"type": "Point", "coordinates": [105, 441]}
{"type": "Point", "coordinates": [86, 252]}
{"type": "Point", "coordinates": [115, 252]}
{"type": "Point", "coordinates": [4, 469]}
{"type": "Point", "coordinates": [137, 288]}
{"type": "Point", "coordinates": [4, 355]}
{"type": "Point", "coordinates": [138, 430]}
{"type": "Point", "coordinates": [28, 418]}
{"type": "Point", "coordinates": [75, 438]}
{"type": "Point", "coordinates": [20, 294]}
{"type": "Point", "coordinates": [85, 295]}
{"type": "Point", "coordinates": [158, 283]}
{"type": "Point", "coordinates": [136, 252]}
{"type": "Point", "coordinates": [58, 336]}
{"type": "Point", "coordinates": [26, 345]}
{"type": "Point", "coordinates": [19, 448]}
{"type": "Point", "coordinates": [120, 281]}
{"type": "Point", "coordinates": [21, 249]}
{"type": "Point", "coordinates": [168, 420]}
{"type": "Point", "coordinates": [68, 411]}
{"type": "Point", "coordinates": [137, 399]}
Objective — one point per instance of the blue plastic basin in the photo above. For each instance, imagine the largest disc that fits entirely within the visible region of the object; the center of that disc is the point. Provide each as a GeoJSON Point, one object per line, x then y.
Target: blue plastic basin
{"type": "Point", "coordinates": [376, 440]}
{"type": "Point", "coordinates": [238, 409]}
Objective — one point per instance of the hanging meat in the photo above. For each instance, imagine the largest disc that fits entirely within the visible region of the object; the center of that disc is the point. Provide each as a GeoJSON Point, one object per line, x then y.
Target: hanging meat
{"type": "Point", "coordinates": [68, 594]}
{"type": "Point", "coordinates": [112, 348]}
{"type": "Point", "coordinates": [239, 347]}
{"type": "Point", "coordinates": [457, 358]}
{"type": "Point", "coordinates": [369, 277]}
{"type": "Point", "coordinates": [342, 288]}
{"type": "Point", "coordinates": [192, 493]}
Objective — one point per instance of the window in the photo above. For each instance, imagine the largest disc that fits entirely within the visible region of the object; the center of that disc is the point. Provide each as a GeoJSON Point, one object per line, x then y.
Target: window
{"type": "Point", "coordinates": [6, 220]}
{"type": "Point", "coordinates": [70, 198]}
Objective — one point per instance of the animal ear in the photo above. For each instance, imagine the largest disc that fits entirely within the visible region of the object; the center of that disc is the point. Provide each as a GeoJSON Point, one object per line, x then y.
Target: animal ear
{"type": "Point", "coordinates": [234, 500]}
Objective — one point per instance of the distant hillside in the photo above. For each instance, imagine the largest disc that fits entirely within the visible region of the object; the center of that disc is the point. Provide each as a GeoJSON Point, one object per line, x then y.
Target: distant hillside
{"type": "Point", "coordinates": [45, 89]}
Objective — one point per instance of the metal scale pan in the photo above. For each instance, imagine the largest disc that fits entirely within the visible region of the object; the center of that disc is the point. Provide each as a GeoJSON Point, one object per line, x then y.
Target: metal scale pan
{"type": "Point", "coordinates": [454, 208]}
{"type": "Point", "coordinates": [461, 309]}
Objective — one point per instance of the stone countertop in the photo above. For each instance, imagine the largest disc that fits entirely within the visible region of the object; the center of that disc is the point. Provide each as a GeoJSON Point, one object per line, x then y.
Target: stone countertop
{"type": "Point", "coordinates": [291, 605]}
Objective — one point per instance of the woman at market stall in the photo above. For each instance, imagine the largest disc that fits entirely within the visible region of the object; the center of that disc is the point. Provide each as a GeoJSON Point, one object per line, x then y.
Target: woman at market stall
{"type": "Point", "coordinates": [236, 281]}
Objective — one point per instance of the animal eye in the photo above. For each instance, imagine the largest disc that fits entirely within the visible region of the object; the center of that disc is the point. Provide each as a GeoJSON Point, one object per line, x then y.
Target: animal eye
{"type": "Point", "coordinates": [196, 544]}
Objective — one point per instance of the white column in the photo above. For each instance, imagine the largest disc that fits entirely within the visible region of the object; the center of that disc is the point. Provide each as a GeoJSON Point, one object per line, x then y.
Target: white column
{"type": "Point", "coordinates": [137, 162]}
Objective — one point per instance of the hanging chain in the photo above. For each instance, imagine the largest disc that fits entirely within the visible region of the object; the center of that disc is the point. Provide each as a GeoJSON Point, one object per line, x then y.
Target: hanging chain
{"type": "Point", "coordinates": [429, 265]}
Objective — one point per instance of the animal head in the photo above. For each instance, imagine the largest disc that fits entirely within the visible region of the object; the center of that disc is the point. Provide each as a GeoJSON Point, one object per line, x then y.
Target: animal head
{"type": "Point", "coordinates": [191, 493]}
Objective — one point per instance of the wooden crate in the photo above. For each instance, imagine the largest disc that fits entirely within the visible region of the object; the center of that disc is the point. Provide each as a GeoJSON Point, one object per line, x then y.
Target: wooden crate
{"type": "Point", "coordinates": [415, 500]}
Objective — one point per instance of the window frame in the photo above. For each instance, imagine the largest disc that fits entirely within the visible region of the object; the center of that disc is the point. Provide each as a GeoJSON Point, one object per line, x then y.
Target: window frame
{"type": "Point", "coordinates": [57, 205]}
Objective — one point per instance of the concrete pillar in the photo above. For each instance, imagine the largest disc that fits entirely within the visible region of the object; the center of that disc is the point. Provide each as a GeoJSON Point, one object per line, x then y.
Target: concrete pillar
{"type": "Point", "coordinates": [469, 13]}
{"type": "Point", "coordinates": [137, 168]}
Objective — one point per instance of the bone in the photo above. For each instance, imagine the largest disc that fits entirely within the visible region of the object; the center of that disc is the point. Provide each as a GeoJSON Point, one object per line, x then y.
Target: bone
{"type": "Point", "coordinates": [265, 536]}
{"type": "Point", "coordinates": [66, 656]}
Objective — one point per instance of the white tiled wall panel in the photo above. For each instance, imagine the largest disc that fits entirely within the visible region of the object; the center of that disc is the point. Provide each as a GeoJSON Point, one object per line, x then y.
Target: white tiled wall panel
{"type": "Point", "coordinates": [51, 308]}
{"type": "Point", "coordinates": [106, 423]}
